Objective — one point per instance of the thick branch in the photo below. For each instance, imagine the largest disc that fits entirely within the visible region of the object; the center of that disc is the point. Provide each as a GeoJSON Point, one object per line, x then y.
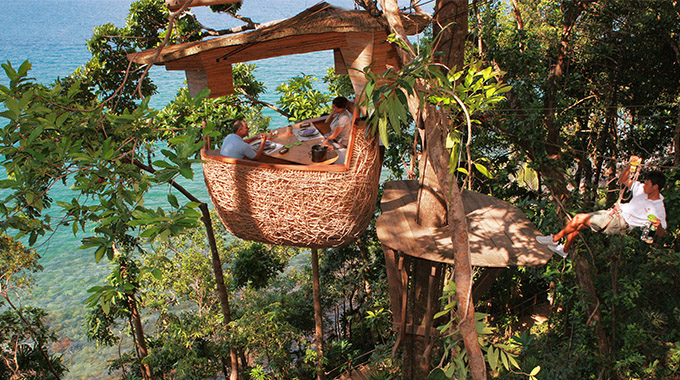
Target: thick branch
{"type": "Point", "coordinates": [370, 6]}
{"type": "Point", "coordinates": [518, 15]}
{"type": "Point", "coordinates": [268, 105]}
{"type": "Point", "coordinates": [249, 25]}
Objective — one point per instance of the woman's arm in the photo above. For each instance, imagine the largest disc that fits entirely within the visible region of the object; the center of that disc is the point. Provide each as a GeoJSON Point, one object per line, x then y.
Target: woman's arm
{"type": "Point", "coordinates": [329, 118]}
{"type": "Point", "coordinates": [335, 133]}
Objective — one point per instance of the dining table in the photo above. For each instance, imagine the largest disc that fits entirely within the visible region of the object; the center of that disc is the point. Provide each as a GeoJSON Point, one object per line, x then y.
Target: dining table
{"type": "Point", "coordinates": [293, 143]}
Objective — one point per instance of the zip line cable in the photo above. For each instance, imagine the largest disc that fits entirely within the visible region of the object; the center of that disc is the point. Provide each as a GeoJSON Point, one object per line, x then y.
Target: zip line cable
{"type": "Point", "coordinates": [598, 108]}
{"type": "Point", "coordinates": [572, 149]}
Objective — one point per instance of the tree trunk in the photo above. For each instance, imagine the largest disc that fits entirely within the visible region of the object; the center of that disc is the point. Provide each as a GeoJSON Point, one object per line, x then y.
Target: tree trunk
{"type": "Point", "coordinates": [585, 283]}
{"type": "Point", "coordinates": [452, 45]}
{"type": "Point", "coordinates": [138, 330]}
{"type": "Point", "coordinates": [676, 138]}
{"type": "Point", "coordinates": [452, 16]}
{"type": "Point", "coordinates": [450, 25]}
{"type": "Point", "coordinates": [518, 15]}
{"type": "Point", "coordinates": [135, 320]}
{"type": "Point", "coordinates": [676, 141]}
{"type": "Point", "coordinates": [431, 201]}
{"type": "Point", "coordinates": [318, 316]}
{"type": "Point", "coordinates": [433, 120]}
{"type": "Point", "coordinates": [554, 177]}
{"type": "Point", "coordinates": [609, 130]}
{"type": "Point", "coordinates": [222, 293]}
{"type": "Point", "coordinates": [459, 236]}
{"type": "Point", "coordinates": [571, 13]}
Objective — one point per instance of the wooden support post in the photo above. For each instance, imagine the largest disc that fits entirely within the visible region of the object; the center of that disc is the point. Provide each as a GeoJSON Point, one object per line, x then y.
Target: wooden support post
{"type": "Point", "coordinates": [424, 293]}
{"type": "Point", "coordinates": [357, 54]}
{"type": "Point", "coordinates": [430, 310]}
{"type": "Point", "coordinates": [318, 316]}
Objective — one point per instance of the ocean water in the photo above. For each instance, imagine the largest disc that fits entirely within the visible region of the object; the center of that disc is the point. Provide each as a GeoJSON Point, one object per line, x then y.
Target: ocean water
{"type": "Point", "coordinates": [51, 34]}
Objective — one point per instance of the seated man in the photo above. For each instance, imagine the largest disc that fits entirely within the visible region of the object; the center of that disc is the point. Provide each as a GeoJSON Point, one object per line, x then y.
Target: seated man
{"type": "Point", "coordinates": [645, 206]}
{"type": "Point", "coordinates": [236, 147]}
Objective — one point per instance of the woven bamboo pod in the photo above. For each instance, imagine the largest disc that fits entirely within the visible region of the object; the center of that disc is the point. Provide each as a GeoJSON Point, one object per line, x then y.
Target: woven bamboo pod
{"type": "Point", "coordinates": [295, 205]}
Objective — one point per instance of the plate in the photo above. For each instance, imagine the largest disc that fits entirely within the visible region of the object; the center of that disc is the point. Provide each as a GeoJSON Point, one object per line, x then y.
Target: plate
{"type": "Point", "coordinates": [267, 145]}
{"type": "Point", "coordinates": [308, 132]}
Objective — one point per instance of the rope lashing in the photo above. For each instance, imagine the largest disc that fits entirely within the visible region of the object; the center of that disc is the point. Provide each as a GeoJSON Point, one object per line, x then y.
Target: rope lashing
{"type": "Point", "coordinates": [633, 174]}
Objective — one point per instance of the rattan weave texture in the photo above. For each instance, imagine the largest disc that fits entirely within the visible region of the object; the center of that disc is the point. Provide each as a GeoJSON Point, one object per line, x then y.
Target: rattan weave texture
{"type": "Point", "coordinates": [279, 204]}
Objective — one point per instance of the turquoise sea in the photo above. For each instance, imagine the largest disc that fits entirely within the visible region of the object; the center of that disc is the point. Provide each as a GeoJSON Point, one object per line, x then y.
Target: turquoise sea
{"type": "Point", "coordinates": [51, 34]}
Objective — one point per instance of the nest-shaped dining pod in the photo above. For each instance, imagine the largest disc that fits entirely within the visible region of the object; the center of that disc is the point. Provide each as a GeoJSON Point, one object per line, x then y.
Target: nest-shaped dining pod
{"type": "Point", "coordinates": [320, 206]}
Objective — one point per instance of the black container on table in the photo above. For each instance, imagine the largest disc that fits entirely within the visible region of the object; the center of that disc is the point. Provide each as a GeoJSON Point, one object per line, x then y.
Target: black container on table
{"type": "Point", "coordinates": [319, 153]}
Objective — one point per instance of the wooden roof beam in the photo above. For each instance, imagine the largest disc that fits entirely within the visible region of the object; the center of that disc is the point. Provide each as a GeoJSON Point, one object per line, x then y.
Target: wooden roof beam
{"type": "Point", "coordinates": [268, 49]}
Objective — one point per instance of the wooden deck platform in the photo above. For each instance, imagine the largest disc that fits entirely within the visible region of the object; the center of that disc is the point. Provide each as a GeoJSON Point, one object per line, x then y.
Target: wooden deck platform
{"type": "Point", "coordinates": [500, 234]}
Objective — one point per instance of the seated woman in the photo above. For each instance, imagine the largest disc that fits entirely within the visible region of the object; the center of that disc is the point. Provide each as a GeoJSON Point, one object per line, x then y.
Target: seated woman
{"type": "Point", "coordinates": [340, 121]}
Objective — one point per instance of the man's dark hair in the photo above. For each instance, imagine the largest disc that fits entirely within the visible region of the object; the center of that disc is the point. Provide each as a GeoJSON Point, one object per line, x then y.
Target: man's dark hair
{"type": "Point", "coordinates": [340, 102]}
{"type": "Point", "coordinates": [237, 125]}
{"type": "Point", "coordinates": [657, 178]}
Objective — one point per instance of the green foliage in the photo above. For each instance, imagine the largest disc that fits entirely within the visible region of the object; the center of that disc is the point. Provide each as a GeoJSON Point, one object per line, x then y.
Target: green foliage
{"type": "Point", "coordinates": [24, 339]}
{"type": "Point", "coordinates": [612, 102]}
{"type": "Point", "coordinates": [112, 153]}
{"type": "Point", "coordinates": [258, 373]}
{"type": "Point", "coordinates": [244, 80]}
{"type": "Point", "coordinates": [270, 338]}
{"type": "Point", "coordinates": [107, 74]}
{"type": "Point", "coordinates": [256, 264]}
{"type": "Point", "coordinates": [339, 355]}
{"type": "Point", "coordinates": [17, 263]}
{"type": "Point", "coordinates": [355, 288]}
{"type": "Point", "coordinates": [383, 366]}
{"type": "Point", "coordinates": [300, 100]}
{"type": "Point", "coordinates": [338, 85]}
{"type": "Point", "coordinates": [190, 340]}
{"type": "Point", "coordinates": [498, 355]}
{"type": "Point", "coordinates": [103, 157]}
{"type": "Point", "coordinates": [111, 303]}
{"type": "Point", "coordinates": [463, 95]}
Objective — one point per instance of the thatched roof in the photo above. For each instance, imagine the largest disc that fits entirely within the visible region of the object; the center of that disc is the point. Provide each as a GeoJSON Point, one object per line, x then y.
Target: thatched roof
{"type": "Point", "coordinates": [320, 19]}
